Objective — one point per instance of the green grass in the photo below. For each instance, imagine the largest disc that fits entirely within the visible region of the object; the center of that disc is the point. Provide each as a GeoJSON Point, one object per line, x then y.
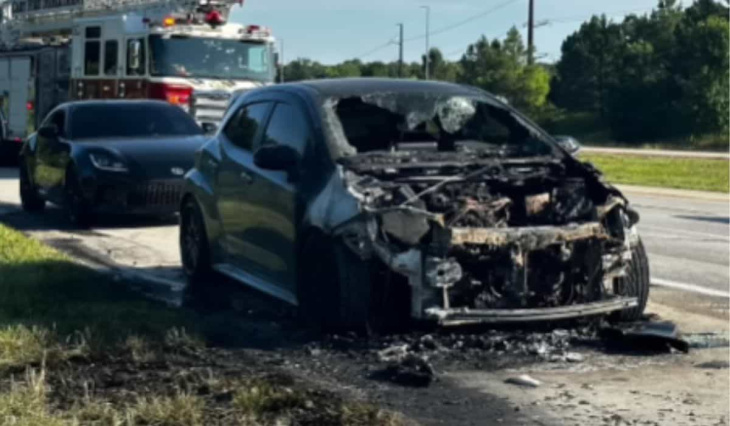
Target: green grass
{"type": "Point", "coordinates": [45, 298]}
{"type": "Point", "coordinates": [678, 173]}
{"type": "Point", "coordinates": [55, 315]}
{"type": "Point", "coordinates": [590, 130]}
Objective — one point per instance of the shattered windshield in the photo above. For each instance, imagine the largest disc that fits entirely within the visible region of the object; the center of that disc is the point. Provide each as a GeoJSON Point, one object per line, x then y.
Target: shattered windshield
{"type": "Point", "coordinates": [393, 122]}
{"type": "Point", "coordinates": [210, 58]}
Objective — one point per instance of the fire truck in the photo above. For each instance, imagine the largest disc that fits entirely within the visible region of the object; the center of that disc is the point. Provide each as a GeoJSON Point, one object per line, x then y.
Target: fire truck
{"type": "Point", "coordinates": [182, 51]}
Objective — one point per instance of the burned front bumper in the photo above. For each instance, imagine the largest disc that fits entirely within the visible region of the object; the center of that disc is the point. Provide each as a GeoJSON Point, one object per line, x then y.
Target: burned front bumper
{"type": "Point", "coordinates": [465, 316]}
{"type": "Point", "coordinates": [432, 274]}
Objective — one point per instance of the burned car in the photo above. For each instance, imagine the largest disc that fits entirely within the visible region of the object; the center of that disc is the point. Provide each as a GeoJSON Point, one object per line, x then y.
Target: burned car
{"type": "Point", "coordinates": [367, 201]}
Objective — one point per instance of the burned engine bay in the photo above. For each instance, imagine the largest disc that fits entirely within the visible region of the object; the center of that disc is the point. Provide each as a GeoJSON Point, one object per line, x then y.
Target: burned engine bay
{"type": "Point", "coordinates": [482, 237]}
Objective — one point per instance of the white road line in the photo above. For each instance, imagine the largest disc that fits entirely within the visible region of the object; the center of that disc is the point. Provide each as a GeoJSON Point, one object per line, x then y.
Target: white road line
{"type": "Point", "coordinates": [683, 232]}
{"type": "Point", "coordinates": [692, 288]}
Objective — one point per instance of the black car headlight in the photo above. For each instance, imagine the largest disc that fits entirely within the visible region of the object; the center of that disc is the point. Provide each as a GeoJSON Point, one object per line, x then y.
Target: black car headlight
{"type": "Point", "coordinates": [107, 162]}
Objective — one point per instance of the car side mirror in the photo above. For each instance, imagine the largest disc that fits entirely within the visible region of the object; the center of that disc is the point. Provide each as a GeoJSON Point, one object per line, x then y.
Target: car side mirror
{"type": "Point", "coordinates": [48, 132]}
{"type": "Point", "coordinates": [209, 128]}
{"type": "Point", "coordinates": [277, 157]}
{"type": "Point", "coordinates": [568, 143]}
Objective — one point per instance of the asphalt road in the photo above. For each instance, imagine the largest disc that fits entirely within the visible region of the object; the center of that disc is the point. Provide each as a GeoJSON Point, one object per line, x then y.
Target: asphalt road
{"type": "Point", "coordinates": [686, 235]}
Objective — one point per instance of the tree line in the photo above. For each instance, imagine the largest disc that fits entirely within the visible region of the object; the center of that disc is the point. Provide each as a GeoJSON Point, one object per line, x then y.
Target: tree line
{"type": "Point", "coordinates": [662, 75]}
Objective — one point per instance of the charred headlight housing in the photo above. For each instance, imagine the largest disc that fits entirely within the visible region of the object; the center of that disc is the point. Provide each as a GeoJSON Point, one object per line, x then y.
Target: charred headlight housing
{"type": "Point", "coordinates": [408, 227]}
{"type": "Point", "coordinates": [357, 235]}
{"type": "Point", "coordinates": [107, 162]}
{"type": "Point", "coordinates": [632, 215]}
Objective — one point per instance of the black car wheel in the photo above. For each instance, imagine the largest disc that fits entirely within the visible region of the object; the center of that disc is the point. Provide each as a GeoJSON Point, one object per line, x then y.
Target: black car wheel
{"type": "Point", "coordinates": [635, 284]}
{"type": "Point", "coordinates": [334, 288]}
{"type": "Point", "coordinates": [194, 248]}
{"type": "Point", "coordinates": [29, 197]}
{"type": "Point", "coordinates": [76, 206]}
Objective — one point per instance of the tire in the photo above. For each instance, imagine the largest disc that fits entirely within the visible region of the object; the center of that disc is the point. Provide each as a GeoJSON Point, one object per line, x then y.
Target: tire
{"type": "Point", "coordinates": [635, 284]}
{"type": "Point", "coordinates": [8, 154]}
{"type": "Point", "coordinates": [334, 288]}
{"type": "Point", "coordinates": [29, 197]}
{"type": "Point", "coordinates": [76, 207]}
{"type": "Point", "coordinates": [194, 246]}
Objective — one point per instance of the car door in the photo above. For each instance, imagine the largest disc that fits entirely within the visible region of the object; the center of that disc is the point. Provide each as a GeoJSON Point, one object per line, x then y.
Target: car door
{"type": "Point", "coordinates": [274, 196]}
{"type": "Point", "coordinates": [52, 156]}
{"type": "Point", "coordinates": [233, 180]}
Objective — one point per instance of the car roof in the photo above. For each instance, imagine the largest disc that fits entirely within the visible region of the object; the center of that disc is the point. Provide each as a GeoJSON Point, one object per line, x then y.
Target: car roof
{"type": "Point", "coordinates": [115, 102]}
{"type": "Point", "coordinates": [344, 87]}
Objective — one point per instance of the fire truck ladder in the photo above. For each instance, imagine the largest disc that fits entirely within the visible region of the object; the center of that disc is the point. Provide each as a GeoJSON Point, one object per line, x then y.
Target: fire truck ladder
{"type": "Point", "coordinates": [22, 18]}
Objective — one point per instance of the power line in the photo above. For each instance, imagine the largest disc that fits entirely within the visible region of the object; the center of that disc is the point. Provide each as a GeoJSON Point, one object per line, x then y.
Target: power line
{"type": "Point", "coordinates": [377, 49]}
{"type": "Point", "coordinates": [491, 35]}
{"type": "Point", "coordinates": [561, 19]}
{"type": "Point", "coordinates": [539, 24]}
{"type": "Point", "coordinates": [576, 18]}
{"type": "Point", "coordinates": [465, 21]}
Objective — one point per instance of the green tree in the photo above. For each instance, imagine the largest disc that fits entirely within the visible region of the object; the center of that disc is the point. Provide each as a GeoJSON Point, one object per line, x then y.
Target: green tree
{"type": "Point", "coordinates": [663, 74]}
{"type": "Point", "coordinates": [304, 69]}
{"type": "Point", "coordinates": [588, 67]}
{"type": "Point", "coordinates": [440, 68]}
{"type": "Point", "coordinates": [501, 68]}
{"type": "Point", "coordinates": [351, 68]}
{"type": "Point", "coordinates": [702, 64]}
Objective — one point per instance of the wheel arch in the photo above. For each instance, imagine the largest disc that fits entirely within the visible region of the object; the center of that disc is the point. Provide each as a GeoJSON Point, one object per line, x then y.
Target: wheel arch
{"type": "Point", "coordinates": [198, 190]}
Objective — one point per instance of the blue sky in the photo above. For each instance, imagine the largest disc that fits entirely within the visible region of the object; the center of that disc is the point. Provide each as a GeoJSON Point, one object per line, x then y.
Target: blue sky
{"type": "Point", "coordinates": [330, 31]}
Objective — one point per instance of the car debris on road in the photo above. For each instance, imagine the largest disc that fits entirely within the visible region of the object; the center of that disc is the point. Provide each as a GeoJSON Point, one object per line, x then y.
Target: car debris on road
{"type": "Point", "coordinates": [659, 336]}
{"type": "Point", "coordinates": [524, 380]}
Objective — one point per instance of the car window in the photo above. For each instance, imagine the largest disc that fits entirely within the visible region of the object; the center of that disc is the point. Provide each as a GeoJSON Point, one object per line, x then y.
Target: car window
{"type": "Point", "coordinates": [243, 127]}
{"type": "Point", "coordinates": [288, 126]}
{"type": "Point", "coordinates": [98, 121]}
{"type": "Point", "coordinates": [406, 121]}
{"type": "Point", "coordinates": [58, 119]}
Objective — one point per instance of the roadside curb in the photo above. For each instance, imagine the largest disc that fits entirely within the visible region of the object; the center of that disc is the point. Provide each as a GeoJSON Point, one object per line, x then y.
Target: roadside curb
{"type": "Point", "coordinates": [657, 153]}
{"type": "Point", "coordinates": [676, 193]}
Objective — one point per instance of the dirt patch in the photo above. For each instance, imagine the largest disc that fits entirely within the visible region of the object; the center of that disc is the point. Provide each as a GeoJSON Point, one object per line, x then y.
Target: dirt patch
{"type": "Point", "coordinates": [217, 386]}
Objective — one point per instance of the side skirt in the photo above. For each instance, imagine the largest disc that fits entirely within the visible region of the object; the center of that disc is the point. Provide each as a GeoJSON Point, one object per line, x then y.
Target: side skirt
{"type": "Point", "coordinates": [257, 283]}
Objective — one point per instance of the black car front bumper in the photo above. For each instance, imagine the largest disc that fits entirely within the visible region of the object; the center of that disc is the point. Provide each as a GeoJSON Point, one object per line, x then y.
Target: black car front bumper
{"type": "Point", "coordinates": [128, 196]}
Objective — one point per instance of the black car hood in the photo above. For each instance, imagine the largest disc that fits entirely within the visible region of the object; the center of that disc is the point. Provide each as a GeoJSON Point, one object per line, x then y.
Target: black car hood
{"type": "Point", "coordinates": [154, 158]}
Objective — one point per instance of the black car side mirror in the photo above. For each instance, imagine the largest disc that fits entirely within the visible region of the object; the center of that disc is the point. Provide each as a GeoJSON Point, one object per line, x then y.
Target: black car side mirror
{"type": "Point", "coordinates": [568, 143]}
{"type": "Point", "coordinates": [49, 132]}
{"type": "Point", "coordinates": [209, 128]}
{"type": "Point", "coordinates": [277, 157]}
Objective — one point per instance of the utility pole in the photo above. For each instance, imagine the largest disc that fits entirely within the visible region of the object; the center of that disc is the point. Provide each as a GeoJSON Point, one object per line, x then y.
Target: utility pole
{"type": "Point", "coordinates": [531, 34]}
{"type": "Point", "coordinates": [400, 52]}
{"type": "Point", "coordinates": [428, 41]}
{"type": "Point", "coordinates": [282, 63]}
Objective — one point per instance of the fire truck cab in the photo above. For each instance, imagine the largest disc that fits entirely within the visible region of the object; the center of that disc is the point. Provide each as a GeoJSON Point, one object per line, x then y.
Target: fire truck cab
{"type": "Point", "coordinates": [181, 51]}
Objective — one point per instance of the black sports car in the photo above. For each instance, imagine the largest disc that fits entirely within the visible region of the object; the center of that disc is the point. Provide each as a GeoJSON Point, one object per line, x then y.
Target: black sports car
{"type": "Point", "coordinates": [109, 156]}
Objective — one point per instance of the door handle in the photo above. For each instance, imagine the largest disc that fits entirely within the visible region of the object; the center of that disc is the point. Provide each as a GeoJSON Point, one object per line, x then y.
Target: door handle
{"type": "Point", "coordinates": [246, 178]}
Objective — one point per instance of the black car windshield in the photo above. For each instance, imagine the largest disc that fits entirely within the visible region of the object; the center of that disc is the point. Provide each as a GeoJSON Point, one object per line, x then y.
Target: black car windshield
{"type": "Point", "coordinates": [177, 56]}
{"type": "Point", "coordinates": [391, 122]}
{"type": "Point", "coordinates": [99, 121]}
